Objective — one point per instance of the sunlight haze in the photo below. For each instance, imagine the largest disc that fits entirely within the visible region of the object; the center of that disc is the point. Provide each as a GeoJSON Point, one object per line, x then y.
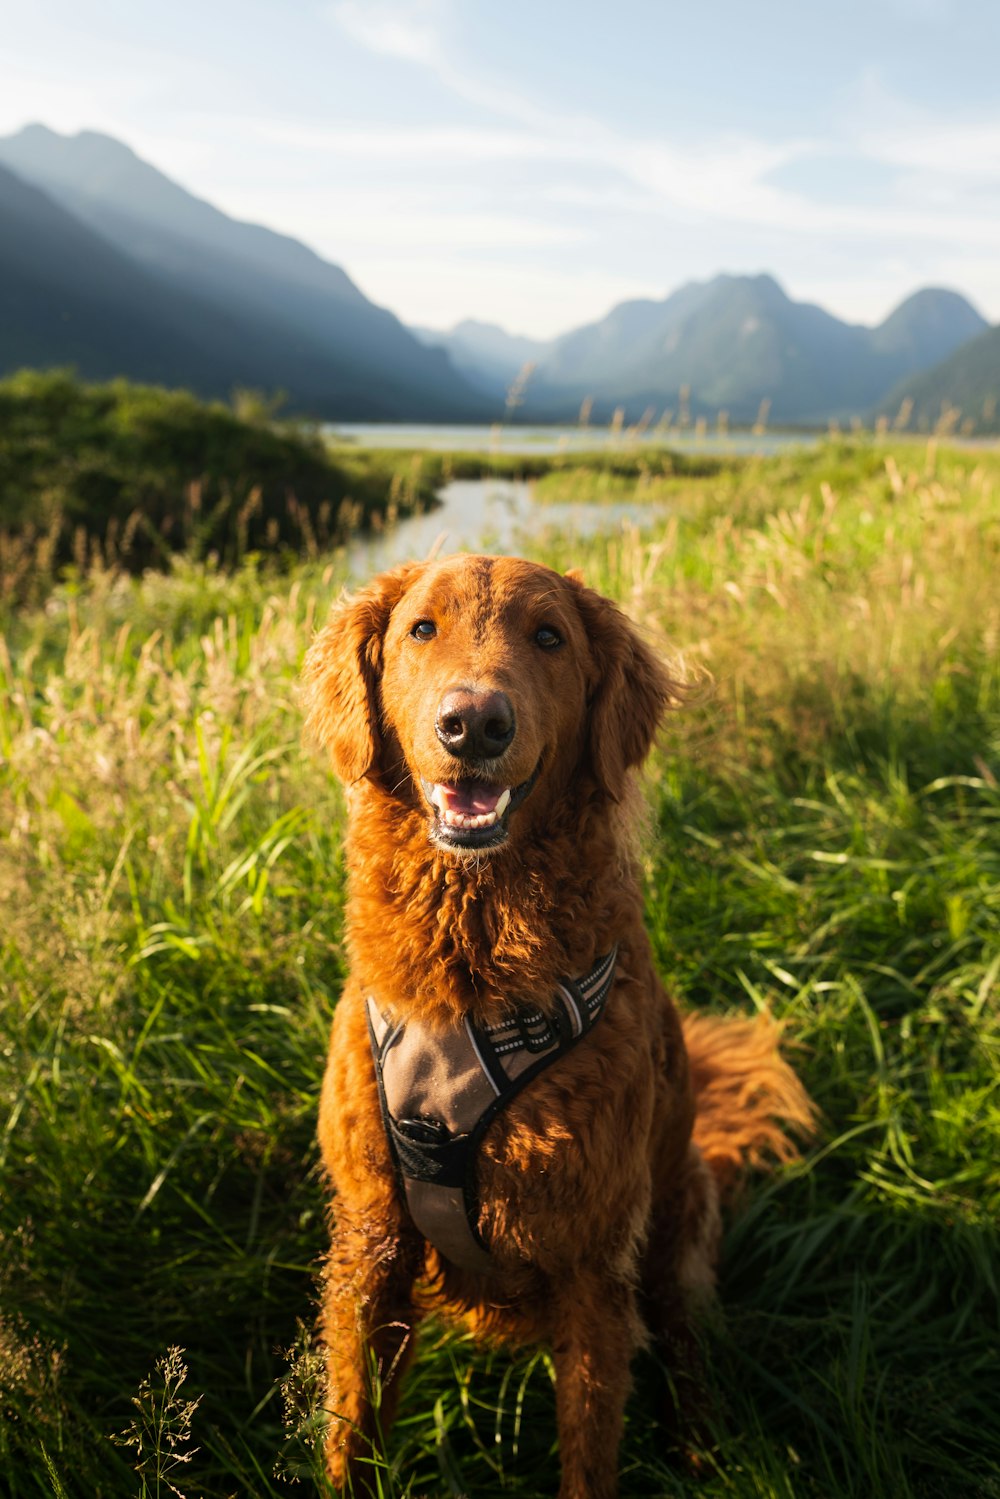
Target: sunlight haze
{"type": "Point", "coordinates": [532, 166]}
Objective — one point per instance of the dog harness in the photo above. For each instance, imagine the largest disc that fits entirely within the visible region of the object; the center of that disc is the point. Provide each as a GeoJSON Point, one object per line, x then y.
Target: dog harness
{"type": "Point", "coordinates": [440, 1089]}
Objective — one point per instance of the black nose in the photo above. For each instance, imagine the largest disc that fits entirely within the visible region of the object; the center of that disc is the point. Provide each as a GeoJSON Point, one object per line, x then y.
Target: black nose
{"type": "Point", "coordinates": [475, 725]}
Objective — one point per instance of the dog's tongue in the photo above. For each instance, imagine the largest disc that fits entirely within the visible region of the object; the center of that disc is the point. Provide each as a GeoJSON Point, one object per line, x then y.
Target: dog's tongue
{"type": "Point", "coordinates": [470, 798]}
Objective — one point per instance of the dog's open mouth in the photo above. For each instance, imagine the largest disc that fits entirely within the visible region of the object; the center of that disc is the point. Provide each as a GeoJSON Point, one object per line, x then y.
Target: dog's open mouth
{"type": "Point", "coordinates": [473, 814]}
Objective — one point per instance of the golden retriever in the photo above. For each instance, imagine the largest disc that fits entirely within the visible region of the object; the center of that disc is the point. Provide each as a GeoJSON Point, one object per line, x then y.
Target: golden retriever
{"type": "Point", "coordinates": [486, 716]}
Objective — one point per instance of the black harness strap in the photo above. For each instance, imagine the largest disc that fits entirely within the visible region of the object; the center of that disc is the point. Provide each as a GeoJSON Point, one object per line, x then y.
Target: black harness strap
{"type": "Point", "coordinates": [439, 1091]}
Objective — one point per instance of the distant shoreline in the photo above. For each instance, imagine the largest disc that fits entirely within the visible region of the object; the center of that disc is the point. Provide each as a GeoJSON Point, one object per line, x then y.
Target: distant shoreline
{"type": "Point", "coordinates": [544, 440]}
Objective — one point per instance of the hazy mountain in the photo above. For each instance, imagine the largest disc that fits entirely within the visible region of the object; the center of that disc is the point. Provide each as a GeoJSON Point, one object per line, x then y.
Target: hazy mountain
{"type": "Point", "coordinates": [68, 297]}
{"type": "Point", "coordinates": [139, 277]}
{"type": "Point", "coordinates": [737, 340]}
{"type": "Point", "coordinates": [487, 355]}
{"type": "Point", "coordinates": [333, 350]}
{"type": "Point", "coordinates": [633, 337]}
{"type": "Point", "coordinates": [928, 327]}
{"type": "Point", "coordinates": [967, 384]}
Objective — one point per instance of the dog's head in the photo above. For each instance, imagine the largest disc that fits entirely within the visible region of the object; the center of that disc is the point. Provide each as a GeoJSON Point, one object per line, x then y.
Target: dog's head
{"type": "Point", "coordinates": [482, 689]}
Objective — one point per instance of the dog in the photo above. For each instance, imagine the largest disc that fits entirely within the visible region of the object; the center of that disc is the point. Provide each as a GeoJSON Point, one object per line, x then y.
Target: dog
{"type": "Point", "coordinates": [518, 1126]}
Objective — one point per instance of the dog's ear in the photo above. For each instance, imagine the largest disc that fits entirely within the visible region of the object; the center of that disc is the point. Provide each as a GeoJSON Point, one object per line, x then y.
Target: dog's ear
{"type": "Point", "coordinates": [630, 693]}
{"type": "Point", "coordinates": [341, 673]}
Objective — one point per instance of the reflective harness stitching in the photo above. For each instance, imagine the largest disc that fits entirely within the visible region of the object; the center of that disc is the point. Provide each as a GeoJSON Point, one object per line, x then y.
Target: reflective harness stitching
{"type": "Point", "coordinates": [439, 1091]}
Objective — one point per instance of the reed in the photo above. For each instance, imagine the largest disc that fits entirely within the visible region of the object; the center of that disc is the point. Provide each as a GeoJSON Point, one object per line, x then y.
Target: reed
{"type": "Point", "coordinates": [824, 842]}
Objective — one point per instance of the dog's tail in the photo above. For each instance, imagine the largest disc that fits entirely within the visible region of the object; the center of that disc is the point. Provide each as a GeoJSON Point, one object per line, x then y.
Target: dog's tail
{"type": "Point", "coordinates": [747, 1097]}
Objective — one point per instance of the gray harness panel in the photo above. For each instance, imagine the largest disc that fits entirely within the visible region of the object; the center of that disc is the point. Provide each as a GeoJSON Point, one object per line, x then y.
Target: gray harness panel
{"type": "Point", "coordinates": [439, 1090]}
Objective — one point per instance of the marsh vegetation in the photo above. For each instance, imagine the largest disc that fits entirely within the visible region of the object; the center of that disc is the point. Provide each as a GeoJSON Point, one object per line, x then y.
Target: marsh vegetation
{"type": "Point", "coordinates": [823, 841]}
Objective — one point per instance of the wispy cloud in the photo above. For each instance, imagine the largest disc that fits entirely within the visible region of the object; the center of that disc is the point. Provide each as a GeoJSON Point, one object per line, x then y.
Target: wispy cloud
{"type": "Point", "coordinates": [723, 179]}
{"type": "Point", "coordinates": [364, 225]}
{"type": "Point", "coordinates": [967, 150]}
{"type": "Point", "coordinates": [420, 32]}
{"type": "Point", "coordinates": [439, 144]}
{"type": "Point", "coordinates": [409, 31]}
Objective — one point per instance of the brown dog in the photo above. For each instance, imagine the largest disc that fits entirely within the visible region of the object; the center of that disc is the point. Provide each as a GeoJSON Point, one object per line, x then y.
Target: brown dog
{"type": "Point", "coordinates": [486, 715]}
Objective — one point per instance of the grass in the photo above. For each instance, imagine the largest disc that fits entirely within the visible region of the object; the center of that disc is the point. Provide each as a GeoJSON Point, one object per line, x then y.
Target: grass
{"type": "Point", "coordinates": [824, 841]}
{"type": "Point", "coordinates": [125, 475]}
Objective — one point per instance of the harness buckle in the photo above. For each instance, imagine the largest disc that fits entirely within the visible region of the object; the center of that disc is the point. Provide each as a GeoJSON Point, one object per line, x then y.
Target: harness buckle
{"type": "Point", "coordinates": [424, 1131]}
{"type": "Point", "coordinates": [562, 1024]}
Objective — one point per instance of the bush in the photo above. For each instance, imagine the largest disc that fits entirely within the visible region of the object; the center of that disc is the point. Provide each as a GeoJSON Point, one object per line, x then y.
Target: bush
{"type": "Point", "coordinates": [136, 471]}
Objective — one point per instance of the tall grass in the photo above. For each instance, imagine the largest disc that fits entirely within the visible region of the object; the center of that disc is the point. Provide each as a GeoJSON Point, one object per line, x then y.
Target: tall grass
{"type": "Point", "coordinates": [824, 842]}
{"type": "Point", "coordinates": [122, 476]}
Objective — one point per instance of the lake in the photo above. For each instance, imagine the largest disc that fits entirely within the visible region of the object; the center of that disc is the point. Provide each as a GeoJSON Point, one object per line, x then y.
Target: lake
{"type": "Point", "coordinates": [544, 441]}
{"type": "Point", "coordinates": [500, 515]}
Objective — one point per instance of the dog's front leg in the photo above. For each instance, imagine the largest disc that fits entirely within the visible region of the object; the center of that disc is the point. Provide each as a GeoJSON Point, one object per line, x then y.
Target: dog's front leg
{"type": "Point", "coordinates": [368, 1325]}
{"type": "Point", "coordinates": [595, 1337]}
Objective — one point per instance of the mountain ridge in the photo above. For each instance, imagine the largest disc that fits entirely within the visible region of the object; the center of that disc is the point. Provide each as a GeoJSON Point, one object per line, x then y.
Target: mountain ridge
{"type": "Point", "coordinates": [333, 350]}
{"type": "Point", "coordinates": [68, 297]}
{"type": "Point", "coordinates": [486, 354]}
{"type": "Point", "coordinates": [962, 391]}
{"type": "Point", "coordinates": [736, 341]}
{"type": "Point", "coordinates": [218, 302]}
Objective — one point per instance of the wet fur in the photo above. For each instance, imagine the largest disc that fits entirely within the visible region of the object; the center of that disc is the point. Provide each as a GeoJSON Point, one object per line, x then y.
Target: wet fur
{"type": "Point", "coordinates": [599, 1185]}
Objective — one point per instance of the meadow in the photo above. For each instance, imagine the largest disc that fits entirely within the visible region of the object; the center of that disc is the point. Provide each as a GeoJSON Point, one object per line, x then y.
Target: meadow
{"type": "Point", "coordinates": [823, 842]}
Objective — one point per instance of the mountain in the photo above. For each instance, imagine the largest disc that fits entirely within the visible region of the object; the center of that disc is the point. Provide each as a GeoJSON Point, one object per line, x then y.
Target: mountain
{"type": "Point", "coordinates": [318, 336]}
{"type": "Point", "coordinates": [487, 355]}
{"type": "Point", "coordinates": [964, 388]}
{"type": "Point", "coordinates": [632, 337]}
{"type": "Point", "coordinates": [928, 327]}
{"type": "Point", "coordinates": [736, 341]}
{"type": "Point", "coordinates": [115, 268]}
{"type": "Point", "coordinates": [68, 297]}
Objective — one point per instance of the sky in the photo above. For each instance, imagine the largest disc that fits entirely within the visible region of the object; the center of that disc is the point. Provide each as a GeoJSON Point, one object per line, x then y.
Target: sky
{"type": "Point", "coordinates": [534, 162]}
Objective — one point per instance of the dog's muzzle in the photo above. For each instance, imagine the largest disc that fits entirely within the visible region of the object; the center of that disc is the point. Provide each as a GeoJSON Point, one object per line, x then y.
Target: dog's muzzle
{"type": "Point", "coordinates": [474, 814]}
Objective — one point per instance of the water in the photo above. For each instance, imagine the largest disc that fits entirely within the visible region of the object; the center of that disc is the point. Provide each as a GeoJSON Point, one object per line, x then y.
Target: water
{"type": "Point", "coordinates": [500, 515]}
{"type": "Point", "coordinates": [488, 515]}
{"type": "Point", "coordinates": [527, 440]}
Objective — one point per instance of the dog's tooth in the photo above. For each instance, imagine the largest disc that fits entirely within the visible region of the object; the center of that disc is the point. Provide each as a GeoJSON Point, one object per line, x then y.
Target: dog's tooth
{"type": "Point", "coordinates": [454, 819]}
{"type": "Point", "coordinates": [502, 802]}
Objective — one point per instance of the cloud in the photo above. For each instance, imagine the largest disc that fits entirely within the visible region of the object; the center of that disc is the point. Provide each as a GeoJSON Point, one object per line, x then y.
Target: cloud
{"type": "Point", "coordinates": [418, 31]}
{"type": "Point", "coordinates": [428, 143]}
{"type": "Point", "coordinates": [956, 148]}
{"type": "Point", "coordinates": [724, 179]}
{"type": "Point", "coordinates": [361, 223]}
{"type": "Point", "coordinates": [901, 133]}
{"type": "Point", "coordinates": [409, 31]}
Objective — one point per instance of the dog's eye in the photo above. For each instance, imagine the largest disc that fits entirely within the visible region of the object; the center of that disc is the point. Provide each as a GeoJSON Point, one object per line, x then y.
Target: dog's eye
{"type": "Point", "coordinates": [547, 638]}
{"type": "Point", "coordinates": [424, 629]}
